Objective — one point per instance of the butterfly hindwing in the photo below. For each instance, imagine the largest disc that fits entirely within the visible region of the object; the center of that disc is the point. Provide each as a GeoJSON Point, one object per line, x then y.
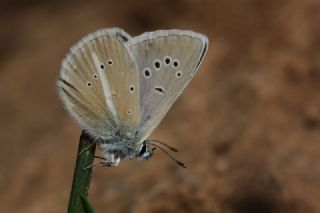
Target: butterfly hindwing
{"type": "Point", "coordinates": [99, 83]}
{"type": "Point", "coordinates": [167, 60]}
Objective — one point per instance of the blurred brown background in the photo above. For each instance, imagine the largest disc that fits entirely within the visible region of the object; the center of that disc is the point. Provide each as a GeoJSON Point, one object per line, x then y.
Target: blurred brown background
{"type": "Point", "coordinates": [248, 125]}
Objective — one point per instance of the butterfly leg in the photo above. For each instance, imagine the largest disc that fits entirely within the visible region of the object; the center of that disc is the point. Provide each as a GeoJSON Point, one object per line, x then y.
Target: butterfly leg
{"type": "Point", "coordinates": [111, 162]}
{"type": "Point", "coordinates": [99, 157]}
{"type": "Point", "coordinates": [101, 164]}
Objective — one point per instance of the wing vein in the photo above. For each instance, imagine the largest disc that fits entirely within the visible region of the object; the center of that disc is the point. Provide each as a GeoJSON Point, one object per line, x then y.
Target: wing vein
{"type": "Point", "coordinates": [105, 86]}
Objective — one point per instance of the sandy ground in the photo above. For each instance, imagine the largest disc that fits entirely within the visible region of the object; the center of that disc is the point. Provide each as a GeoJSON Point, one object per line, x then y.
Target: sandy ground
{"type": "Point", "coordinates": [248, 125]}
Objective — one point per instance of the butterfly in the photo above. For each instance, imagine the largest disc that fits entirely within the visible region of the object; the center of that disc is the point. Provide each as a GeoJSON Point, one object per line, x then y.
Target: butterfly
{"type": "Point", "coordinates": [118, 88]}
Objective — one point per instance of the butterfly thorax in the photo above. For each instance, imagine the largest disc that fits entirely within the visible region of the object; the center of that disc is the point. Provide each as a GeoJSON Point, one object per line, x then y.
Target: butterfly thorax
{"type": "Point", "coordinates": [122, 146]}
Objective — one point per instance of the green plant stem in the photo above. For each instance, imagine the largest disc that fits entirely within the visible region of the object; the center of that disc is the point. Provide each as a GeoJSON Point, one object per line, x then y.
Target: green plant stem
{"type": "Point", "coordinates": [78, 202]}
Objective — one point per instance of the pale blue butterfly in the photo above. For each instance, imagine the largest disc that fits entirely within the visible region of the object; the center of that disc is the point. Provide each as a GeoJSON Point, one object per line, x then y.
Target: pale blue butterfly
{"type": "Point", "coordinates": [119, 88]}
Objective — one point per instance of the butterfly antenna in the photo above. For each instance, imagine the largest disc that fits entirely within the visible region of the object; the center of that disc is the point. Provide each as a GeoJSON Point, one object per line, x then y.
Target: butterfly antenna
{"type": "Point", "coordinates": [170, 156]}
{"type": "Point", "coordinates": [164, 144]}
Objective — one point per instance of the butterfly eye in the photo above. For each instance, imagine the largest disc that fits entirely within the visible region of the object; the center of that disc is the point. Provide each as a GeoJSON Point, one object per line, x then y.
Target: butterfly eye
{"type": "Point", "coordinates": [102, 66]}
{"type": "Point", "coordinates": [157, 64]}
{"type": "Point", "coordinates": [167, 60]}
{"type": "Point", "coordinates": [147, 73]}
{"type": "Point", "coordinates": [129, 112]}
{"type": "Point", "coordinates": [179, 74]}
{"type": "Point", "coordinates": [143, 150]}
{"type": "Point", "coordinates": [175, 63]}
{"type": "Point", "coordinates": [95, 76]}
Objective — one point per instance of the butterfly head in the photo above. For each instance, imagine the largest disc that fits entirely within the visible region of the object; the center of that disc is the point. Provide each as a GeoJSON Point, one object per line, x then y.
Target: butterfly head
{"type": "Point", "coordinates": [144, 151]}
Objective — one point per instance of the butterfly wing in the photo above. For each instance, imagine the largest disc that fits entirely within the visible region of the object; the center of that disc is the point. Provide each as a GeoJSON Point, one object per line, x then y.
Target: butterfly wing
{"type": "Point", "coordinates": [167, 61]}
{"type": "Point", "coordinates": [99, 83]}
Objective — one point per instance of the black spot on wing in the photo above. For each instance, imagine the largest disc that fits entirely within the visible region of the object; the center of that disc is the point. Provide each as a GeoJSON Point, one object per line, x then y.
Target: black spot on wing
{"type": "Point", "coordinates": [201, 57]}
{"type": "Point", "coordinates": [68, 84]}
{"type": "Point", "coordinates": [160, 90]}
{"type": "Point", "coordinates": [122, 37]}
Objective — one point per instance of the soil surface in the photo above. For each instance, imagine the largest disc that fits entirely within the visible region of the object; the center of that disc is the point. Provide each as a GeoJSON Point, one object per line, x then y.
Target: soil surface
{"type": "Point", "coordinates": [247, 126]}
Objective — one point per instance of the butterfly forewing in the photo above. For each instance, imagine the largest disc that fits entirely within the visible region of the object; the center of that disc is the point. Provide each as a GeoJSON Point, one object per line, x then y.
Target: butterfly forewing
{"type": "Point", "coordinates": [167, 61]}
{"type": "Point", "coordinates": [99, 83]}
